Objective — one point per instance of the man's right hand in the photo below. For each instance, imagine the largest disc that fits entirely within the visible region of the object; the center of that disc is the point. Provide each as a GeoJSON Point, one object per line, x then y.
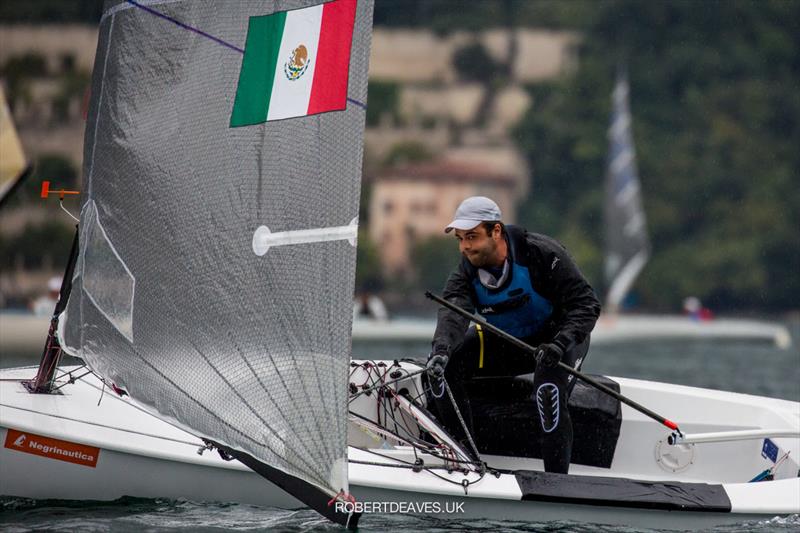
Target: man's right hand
{"type": "Point", "coordinates": [436, 364]}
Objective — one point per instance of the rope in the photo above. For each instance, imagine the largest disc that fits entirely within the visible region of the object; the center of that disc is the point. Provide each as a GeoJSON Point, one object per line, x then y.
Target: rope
{"type": "Point", "coordinates": [465, 483]}
{"type": "Point", "coordinates": [461, 419]}
{"type": "Point", "coordinates": [383, 384]}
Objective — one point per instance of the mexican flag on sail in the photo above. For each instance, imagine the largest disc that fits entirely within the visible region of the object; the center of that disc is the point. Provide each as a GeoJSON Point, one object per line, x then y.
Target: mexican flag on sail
{"type": "Point", "coordinates": [295, 63]}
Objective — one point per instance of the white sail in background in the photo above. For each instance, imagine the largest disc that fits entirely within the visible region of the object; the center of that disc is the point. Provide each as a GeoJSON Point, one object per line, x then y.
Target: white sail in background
{"type": "Point", "coordinates": [627, 243]}
{"type": "Point", "coordinates": [12, 158]}
{"type": "Point", "coordinates": [170, 302]}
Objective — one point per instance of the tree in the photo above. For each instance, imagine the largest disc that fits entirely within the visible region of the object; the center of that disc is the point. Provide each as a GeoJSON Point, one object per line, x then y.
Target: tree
{"type": "Point", "coordinates": [368, 265]}
{"type": "Point", "coordinates": [716, 122]}
{"type": "Point", "coordinates": [433, 259]}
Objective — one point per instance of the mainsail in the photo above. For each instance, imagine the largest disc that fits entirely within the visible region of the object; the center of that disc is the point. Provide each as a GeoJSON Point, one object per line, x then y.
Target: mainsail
{"type": "Point", "coordinates": [217, 247]}
{"type": "Point", "coordinates": [627, 244]}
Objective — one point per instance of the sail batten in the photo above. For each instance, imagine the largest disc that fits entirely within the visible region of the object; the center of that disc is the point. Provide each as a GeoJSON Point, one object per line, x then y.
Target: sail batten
{"type": "Point", "coordinates": [249, 351]}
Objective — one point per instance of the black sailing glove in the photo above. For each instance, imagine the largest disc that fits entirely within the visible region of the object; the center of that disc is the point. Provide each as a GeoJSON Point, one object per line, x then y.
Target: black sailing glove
{"type": "Point", "coordinates": [548, 355]}
{"type": "Point", "coordinates": [436, 364]}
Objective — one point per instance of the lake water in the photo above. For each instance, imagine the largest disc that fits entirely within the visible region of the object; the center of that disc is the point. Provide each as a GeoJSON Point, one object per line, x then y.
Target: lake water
{"type": "Point", "coordinates": [741, 367]}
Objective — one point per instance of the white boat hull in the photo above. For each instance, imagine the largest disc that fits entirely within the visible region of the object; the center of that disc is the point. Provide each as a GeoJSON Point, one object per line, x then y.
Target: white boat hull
{"type": "Point", "coordinates": [139, 455]}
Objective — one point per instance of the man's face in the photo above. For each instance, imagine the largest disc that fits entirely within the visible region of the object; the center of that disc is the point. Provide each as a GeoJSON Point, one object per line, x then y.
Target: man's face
{"type": "Point", "coordinates": [478, 246]}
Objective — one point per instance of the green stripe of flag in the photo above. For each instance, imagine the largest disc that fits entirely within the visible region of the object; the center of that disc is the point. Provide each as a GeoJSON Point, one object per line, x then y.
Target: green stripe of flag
{"type": "Point", "coordinates": [256, 76]}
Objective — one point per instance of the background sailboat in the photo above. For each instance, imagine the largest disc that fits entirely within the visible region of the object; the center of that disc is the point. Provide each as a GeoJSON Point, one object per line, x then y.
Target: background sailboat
{"type": "Point", "coordinates": [13, 165]}
{"type": "Point", "coordinates": [627, 243]}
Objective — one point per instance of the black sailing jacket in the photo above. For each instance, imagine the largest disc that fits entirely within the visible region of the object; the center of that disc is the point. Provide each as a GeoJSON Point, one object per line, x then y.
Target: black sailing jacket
{"type": "Point", "coordinates": [554, 276]}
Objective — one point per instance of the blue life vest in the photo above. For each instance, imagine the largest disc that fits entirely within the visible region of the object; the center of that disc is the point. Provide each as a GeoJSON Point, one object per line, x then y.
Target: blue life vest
{"type": "Point", "coordinates": [516, 307]}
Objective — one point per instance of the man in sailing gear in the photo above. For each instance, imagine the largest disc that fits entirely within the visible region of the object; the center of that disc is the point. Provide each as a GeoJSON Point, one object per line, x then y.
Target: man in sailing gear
{"type": "Point", "coordinates": [527, 285]}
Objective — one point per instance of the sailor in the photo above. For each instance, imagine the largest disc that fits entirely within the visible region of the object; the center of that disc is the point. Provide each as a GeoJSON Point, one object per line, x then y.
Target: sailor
{"type": "Point", "coordinates": [527, 285]}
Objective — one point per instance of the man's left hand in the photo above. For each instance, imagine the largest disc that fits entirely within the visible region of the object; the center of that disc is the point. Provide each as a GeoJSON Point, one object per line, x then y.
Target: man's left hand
{"type": "Point", "coordinates": [548, 355]}
{"type": "Point", "coordinates": [436, 364]}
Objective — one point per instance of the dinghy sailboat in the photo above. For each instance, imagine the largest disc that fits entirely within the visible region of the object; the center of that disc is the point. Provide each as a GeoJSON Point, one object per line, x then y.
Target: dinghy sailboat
{"type": "Point", "coordinates": [210, 300]}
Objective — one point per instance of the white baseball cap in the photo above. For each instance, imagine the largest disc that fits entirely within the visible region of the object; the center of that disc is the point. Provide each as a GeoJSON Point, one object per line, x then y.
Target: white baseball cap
{"type": "Point", "coordinates": [473, 211]}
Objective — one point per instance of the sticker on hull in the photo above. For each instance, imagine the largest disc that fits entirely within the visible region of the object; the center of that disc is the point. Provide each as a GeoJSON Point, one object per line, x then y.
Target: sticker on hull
{"type": "Point", "coordinates": [60, 450]}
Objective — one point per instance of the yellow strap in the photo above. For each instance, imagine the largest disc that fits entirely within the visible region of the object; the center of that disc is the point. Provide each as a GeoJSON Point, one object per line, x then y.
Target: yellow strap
{"type": "Point", "coordinates": [480, 338]}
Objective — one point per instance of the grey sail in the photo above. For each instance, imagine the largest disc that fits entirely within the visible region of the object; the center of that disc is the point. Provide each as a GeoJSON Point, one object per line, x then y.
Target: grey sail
{"type": "Point", "coordinates": [215, 277]}
{"type": "Point", "coordinates": [627, 243]}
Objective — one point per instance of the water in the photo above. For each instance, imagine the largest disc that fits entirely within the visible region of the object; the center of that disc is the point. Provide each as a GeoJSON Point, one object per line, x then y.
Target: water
{"type": "Point", "coordinates": [747, 367]}
{"type": "Point", "coordinates": [741, 367]}
{"type": "Point", "coordinates": [137, 515]}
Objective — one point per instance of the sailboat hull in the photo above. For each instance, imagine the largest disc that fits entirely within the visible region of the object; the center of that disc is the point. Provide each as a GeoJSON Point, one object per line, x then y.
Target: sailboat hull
{"type": "Point", "coordinates": [139, 455]}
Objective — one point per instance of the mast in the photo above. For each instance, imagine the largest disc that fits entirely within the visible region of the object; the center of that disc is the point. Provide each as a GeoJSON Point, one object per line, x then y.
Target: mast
{"type": "Point", "coordinates": [51, 355]}
{"type": "Point", "coordinates": [627, 243]}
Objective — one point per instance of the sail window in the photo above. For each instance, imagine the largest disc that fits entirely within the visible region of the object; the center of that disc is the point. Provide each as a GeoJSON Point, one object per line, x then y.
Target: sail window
{"type": "Point", "coordinates": [107, 280]}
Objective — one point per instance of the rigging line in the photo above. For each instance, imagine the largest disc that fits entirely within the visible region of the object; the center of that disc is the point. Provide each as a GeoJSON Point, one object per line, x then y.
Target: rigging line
{"type": "Point", "coordinates": [72, 380]}
{"type": "Point", "coordinates": [356, 102]}
{"type": "Point", "coordinates": [389, 413]}
{"type": "Point", "coordinates": [427, 444]}
{"type": "Point", "coordinates": [461, 419]}
{"type": "Point", "coordinates": [410, 466]}
{"type": "Point", "coordinates": [142, 410]}
{"type": "Point", "coordinates": [69, 372]}
{"type": "Point", "coordinates": [420, 394]}
{"type": "Point", "coordinates": [379, 397]}
{"type": "Point", "coordinates": [73, 217]}
{"type": "Point", "coordinates": [102, 393]}
{"type": "Point", "coordinates": [429, 469]}
{"type": "Point", "coordinates": [442, 443]}
{"type": "Point", "coordinates": [392, 412]}
{"type": "Point", "coordinates": [404, 424]}
{"type": "Point", "coordinates": [96, 424]}
{"type": "Point", "coordinates": [409, 375]}
{"type": "Point", "coordinates": [185, 26]}
{"type": "Point", "coordinates": [374, 463]}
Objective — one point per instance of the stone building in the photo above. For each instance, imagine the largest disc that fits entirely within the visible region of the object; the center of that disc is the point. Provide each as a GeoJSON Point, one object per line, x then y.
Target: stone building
{"type": "Point", "coordinates": [414, 202]}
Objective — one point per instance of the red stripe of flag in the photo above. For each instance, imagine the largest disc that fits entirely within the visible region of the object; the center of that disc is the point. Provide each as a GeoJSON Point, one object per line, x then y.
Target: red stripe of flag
{"type": "Point", "coordinates": [329, 88]}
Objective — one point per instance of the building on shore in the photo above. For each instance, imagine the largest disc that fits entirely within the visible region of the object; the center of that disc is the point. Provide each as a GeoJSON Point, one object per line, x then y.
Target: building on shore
{"type": "Point", "coordinates": [411, 203]}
